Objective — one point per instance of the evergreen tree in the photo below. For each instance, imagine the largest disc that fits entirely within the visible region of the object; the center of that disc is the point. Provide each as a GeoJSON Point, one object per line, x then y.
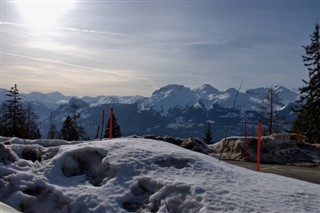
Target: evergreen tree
{"type": "Point", "coordinates": [3, 119]}
{"type": "Point", "coordinates": [116, 132]}
{"type": "Point", "coordinates": [18, 120]}
{"type": "Point", "coordinates": [68, 131]}
{"type": "Point", "coordinates": [208, 135]}
{"type": "Point", "coordinates": [308, 116]}
{"type": "Point", "coordinates": [14, 113]}
{"type": "Point", "coordinates": [75, 118]}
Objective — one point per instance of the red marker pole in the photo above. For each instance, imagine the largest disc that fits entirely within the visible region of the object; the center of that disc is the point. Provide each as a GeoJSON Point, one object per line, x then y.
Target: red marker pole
{"type": "Point", "coordinates": [102, 124]}
{"type": "Point", "coordinates": [258, 147]}
{"type": "Point", "coordinates": [111, 123]}
{"type": "Point", "coordinates": [245, 137]}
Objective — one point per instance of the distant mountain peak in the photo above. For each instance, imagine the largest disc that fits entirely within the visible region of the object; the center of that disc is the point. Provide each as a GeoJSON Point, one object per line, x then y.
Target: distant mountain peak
{"type": "Point", "coordinates": [206, 89]}
{"type": "Point", "coordinates": [169, 88]}
{"type": "Point", "coordinates": [232, 91]}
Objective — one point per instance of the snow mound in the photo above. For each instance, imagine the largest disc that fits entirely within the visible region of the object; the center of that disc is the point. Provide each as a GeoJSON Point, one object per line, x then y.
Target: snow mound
{"type": "Point", "coordinates": [281, 148]}
{"type": "Point", "coordinates": [138, 175]}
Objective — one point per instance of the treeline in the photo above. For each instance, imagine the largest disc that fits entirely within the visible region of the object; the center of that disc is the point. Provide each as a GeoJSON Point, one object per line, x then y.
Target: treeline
{"type": "Point", "coordinates": [72, 130]}
{"type": "Point", "coordinates": [18, 119]}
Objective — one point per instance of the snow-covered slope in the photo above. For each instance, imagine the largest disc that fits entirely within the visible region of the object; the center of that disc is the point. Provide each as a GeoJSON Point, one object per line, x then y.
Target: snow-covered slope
{"type": "Point", "coordinates": [138, 175]}
{"type": "Point", "coordinates": [100, 100]}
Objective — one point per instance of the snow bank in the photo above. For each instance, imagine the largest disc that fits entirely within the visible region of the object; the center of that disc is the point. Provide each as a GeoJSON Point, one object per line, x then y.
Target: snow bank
{"type": "Point", "coordinates": [139, 175]}
{"type": "Point", "coordinates": [4, 208]}
{"type": "Point", "coordinates": [281, 148]}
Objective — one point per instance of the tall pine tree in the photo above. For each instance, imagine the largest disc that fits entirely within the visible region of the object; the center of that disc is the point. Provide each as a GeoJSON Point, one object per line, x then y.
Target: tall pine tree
{"type": "Point", "coordinates": [208, 135]}
{"type": "Point", "coordinates": [68, 131]}
{"type": "Point", "coordinates": [75, 115]}
{"type": "Point", "coordinates": [308, 116]}
{"type": "Point", "coordinates": [14, 115]}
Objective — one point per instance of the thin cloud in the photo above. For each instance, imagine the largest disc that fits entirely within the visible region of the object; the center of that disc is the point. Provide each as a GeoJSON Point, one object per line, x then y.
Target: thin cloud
{"type": "Point", "coordinates": [75, 65]}
{"type": "Point", "coordinates": [115, 34]}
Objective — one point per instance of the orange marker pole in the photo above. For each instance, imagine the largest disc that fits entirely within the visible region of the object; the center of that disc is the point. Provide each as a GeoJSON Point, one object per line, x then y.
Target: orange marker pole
{"type": "Point", "coordinates": [102, 124]}
{"type": "Point", "coordinates": [111, 123]}
{"type": "Point", "coordinates": [258, 147]}
{"type": "Point", "coordinates": [245, 137]}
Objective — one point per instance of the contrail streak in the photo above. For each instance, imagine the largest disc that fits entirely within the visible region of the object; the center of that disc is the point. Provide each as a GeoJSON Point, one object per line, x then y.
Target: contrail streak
{"type": "Point", "coordinates": [74, 30]}
{"type": "Point", "coordinates": [74, 65]}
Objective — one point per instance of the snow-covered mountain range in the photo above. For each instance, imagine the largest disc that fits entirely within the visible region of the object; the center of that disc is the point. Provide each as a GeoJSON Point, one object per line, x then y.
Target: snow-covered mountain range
{"type": "Point", "coordinates": [206, 96]}
{"type": "Point", "coordinates": [173, 109]}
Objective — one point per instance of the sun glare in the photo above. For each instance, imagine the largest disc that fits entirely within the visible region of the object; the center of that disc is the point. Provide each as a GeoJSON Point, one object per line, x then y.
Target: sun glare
{"type": "Point", "coordinates": [43, 15]}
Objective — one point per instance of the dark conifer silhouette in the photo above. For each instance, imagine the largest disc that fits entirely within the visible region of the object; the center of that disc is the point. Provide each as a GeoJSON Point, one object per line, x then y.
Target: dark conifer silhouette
{"type": "Point", "coordinates": [308, 119]}
{"type": "Point", "coordinates": [75, 116]}
{"type": "Point", "coordinates": [208, 135]}
{"type": "Point", "coordinates": [68, 131]}
{"type": "Point", "coordinates": [18, 120]}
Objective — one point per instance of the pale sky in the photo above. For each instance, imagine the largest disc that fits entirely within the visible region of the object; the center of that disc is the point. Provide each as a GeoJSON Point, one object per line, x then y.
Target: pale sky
{"type": "Point", "coordinates": [134, 47]}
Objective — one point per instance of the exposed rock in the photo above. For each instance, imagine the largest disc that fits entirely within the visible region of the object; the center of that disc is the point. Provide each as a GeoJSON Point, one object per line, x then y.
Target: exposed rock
{"type": "Point", "coordinates": [191, 143]}
{"type": "Point", "coordinates": [281, 148]}
{"type": "Point", "coordinates": [196, 145]}
{"type": "Point", "coordinates": [31, 153]}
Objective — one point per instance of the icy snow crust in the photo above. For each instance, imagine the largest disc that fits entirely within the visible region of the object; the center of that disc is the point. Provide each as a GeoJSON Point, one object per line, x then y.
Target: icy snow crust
{"type": "Point", "coordinates": [138, 175]}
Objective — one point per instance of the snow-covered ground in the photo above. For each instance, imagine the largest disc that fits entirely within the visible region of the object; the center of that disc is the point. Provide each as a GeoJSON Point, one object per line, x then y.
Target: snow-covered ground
{"type": "Point", "coordinates": [138, 175]}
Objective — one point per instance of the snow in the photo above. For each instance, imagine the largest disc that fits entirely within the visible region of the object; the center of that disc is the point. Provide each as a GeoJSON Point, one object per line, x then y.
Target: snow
{"type": "Point", "coordinates": [180, 122]}
{"type": "Point", "coordinates": [101, 100]}
{"type": "Point", "coordinates": [138, 175]}
{"type": "Point", "coordinates": [7, 209]}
